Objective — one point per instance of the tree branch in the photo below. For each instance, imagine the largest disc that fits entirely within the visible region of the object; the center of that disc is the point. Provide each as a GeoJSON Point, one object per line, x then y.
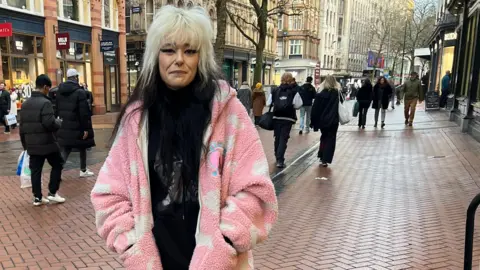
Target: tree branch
{"type": "Point", "coordinates": [237, 17]}
{"type": "Point", "coordinates": [230, 15]}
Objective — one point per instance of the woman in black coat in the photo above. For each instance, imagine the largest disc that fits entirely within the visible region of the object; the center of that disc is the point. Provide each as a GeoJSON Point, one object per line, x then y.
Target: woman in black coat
{"type": "Point", "coordinates": [325, 117]}
{"type": "Point", "coordinates": [381, 97]}
{"type": "Point", "coordinates": [364, 98]}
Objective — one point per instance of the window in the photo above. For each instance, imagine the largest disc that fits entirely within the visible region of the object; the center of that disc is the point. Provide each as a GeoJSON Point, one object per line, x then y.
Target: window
{"type": "Point", "coordinates": [23, 4]}
{"type": "Point", "coordinates": [296, 47]}
{"type": "Point", "coordinates": [280, 22]}
{"type": "Point", "coordinates": [106, 13]}
{"type": "Point", "coordinates": [180, 3]}
{"type": "Point", "coordinates": [149, 13]}
{"type": "Point", "coordinates": [70, 9]}
{"type": "Point", "coordinates": [280, 49]}
{"type": "Point", "coordinates": [128, 11]}
{"type": "Point", "coordinates": [296, 22]}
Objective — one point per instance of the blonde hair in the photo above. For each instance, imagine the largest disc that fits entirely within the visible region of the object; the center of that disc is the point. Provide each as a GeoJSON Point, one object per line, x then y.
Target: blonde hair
{"type": "Point", "coordinates": [173, 25]}
{"type": "Point", "coordinates": [287, 78]}
{"type": "Point", "coordinates": [330, 83]}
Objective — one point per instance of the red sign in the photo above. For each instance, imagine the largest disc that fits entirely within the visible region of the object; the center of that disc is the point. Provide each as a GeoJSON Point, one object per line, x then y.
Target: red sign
{"type": "Point", "coordinates": [62, 41]}
{"type": "Point", "coordinates": [317, 74]}
{"type": "Point", "coordinates": [6, 30]}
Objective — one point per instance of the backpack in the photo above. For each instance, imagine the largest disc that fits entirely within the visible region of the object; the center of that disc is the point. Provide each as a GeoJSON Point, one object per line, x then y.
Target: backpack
{"type": "Point", "coordinates": [283, 100]}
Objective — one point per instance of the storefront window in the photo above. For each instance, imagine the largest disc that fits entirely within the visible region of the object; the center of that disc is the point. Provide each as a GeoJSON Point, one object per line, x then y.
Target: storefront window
{"type": "Point", "coordinates": [39, 45]}
{"type": "Point", "coordinates": [5, 71]}
{"type": "Point", "coordinates": [22, 45]}
{"type": "Point", "coordinates": [469, 63]}
{"type": "Point", "coordinates": [79, 51]}
{"type": "Point", "coordinates": [23, 70]}
{"type": "Point", "coordinates": [87, 52]}
{"type": "Point", "coordinates": [3, 45]}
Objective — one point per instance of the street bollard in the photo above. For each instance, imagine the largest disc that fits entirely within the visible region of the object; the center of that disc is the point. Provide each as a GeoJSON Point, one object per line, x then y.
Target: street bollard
{"type": "Point", "coordinates": [469, 231]}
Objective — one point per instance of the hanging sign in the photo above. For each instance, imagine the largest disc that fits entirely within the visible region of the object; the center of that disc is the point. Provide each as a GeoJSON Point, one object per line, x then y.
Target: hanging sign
{"type": "Point", "coordinates": [62, 41]}
{"type": "Point", "coordinates": [107, 46]}
{"type": "Point", "coordinates": [6, 29]}
{"type": "Point", "coordinates": [136, 10]}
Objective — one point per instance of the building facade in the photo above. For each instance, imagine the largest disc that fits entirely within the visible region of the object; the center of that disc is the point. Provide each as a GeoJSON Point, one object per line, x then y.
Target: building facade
{"type": "Point", "coordinates": [464, 104]}
{"type": "Point", "coordinates": [31, 50]}
{"type": "Point", "coordinates": [239, 61]}
{"type": "Point", "coordinates": [298, 40]}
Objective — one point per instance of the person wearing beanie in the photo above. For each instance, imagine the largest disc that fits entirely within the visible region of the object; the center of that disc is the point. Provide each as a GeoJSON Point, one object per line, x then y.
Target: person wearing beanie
{"type": "Point", "coordinates": [259, 102]}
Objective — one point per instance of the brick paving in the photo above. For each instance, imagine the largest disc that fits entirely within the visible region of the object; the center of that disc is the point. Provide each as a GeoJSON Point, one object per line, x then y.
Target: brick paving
{"type": "Point", "coordinates": [393, 199]}
{"type": "Point", "coordinates": [64, 236]}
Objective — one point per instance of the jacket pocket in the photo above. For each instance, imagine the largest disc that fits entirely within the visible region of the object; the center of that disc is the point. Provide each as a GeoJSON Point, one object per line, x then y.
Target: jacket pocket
{"type": "Point", "coordinates": [220, 256]}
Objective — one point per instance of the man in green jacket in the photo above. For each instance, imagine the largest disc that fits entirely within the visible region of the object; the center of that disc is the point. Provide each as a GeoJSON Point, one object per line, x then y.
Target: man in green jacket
{"type": "Point", "coordinates": [413, 93]}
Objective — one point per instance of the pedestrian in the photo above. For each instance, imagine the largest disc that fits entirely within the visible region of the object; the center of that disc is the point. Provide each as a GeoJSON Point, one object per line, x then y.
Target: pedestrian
{"type": "Point", "coordinates": [186, 184]}
{"type": "Point", "coordinates": [364, 99]}
{"type": "Point", "coordinates": [89, 98]}
{"type": "Point", "coordinates": [326, 119]}
{"type": "Point", "coordinates": [426, 82]}
{"type": "Point", "coordinates": [244, 94]}
{"type": "Point", "coordinates": [382, 92]}
{"type": "Point", "coordinates": [259, 102]}
{"type": "Point", "coordinates": [37, 134]}
{"type": "Point", "coordinates": [13, 106]}
{"type": "Point", "coordinates": [392, 96]}
{"type": "Point", "coordinates": [76, 131]}
{"type": "Point", "coordinates": [445, 84]}
{"type": "Point", "coordinates": [285, 100]}
{"type": "Point", "coordinates": [413, 93]}
{"type": "Point", "coordinates": [307, 92]}
{"type": "Point", "coordinates": [5, 105]}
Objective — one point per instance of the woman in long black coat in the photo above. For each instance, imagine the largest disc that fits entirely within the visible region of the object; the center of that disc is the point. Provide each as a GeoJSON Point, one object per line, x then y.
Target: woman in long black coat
{"type": "Point", "coordinates": [364, 98]}
{"type": "Point", "coordinates": [325, 117]}
{"type": "Point", "coordinates": [382, 93]}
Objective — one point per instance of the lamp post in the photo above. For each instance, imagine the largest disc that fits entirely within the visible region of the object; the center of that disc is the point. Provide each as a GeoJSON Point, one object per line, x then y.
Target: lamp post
{"type": "Point", "coordinates": [403, 50]}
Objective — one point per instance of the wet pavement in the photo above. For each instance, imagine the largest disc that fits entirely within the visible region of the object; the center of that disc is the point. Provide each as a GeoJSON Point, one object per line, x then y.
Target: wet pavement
{"type": "Point", "coordinates": [393, 199]}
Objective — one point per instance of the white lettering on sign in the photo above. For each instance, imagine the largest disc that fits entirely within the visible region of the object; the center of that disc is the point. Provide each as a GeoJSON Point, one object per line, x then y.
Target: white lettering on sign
{"type": "Point", "coordinates": [62, 41]}
{"type": "Point", "coordinates": [4, 30]}
{"type": "Point", "coordinates": [451, 36]}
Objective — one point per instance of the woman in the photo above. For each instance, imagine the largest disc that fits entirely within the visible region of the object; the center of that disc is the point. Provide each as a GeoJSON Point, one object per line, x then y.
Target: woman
{"type": "Point", "coordinates": [364, 98]}
{"type": "Point", "coordinates": [325, 117]}
{"type": "Point", "coordinates": [381, 97]}
{"type": "Point", "coordinates": [259, 102]}
{"type": "Point", "coordinates": [186, 184]}
{"type": "Point", "coordinates": [13, 107]}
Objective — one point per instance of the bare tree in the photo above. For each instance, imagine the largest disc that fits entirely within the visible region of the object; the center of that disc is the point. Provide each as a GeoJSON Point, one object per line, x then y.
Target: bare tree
{"type": "Point", "coordinates": [221, 17]}
{"type": "Point", "coordinates": [263, 14]}
{"type": "Point", "coordinates": [420, 26]}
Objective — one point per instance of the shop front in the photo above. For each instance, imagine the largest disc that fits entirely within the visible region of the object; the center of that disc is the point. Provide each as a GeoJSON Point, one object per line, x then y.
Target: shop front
{"type": "Point", "coordinates": [22, 54]}
{"type": "Point", "coordinates": [111, 73]}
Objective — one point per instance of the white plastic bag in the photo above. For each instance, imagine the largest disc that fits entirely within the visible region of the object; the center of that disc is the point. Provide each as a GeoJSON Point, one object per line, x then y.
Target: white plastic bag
{"type": "Point", "coordinates": [25, 173]}
{"type": "Point", "coordinates": [343, 110]}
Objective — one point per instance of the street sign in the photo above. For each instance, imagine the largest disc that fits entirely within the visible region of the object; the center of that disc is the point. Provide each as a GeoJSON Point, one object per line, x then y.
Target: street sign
{"type": "Point", "coordinates": [6, 29]}
{"type": "Point", "coordinates": [62, 41]}
{"type": "Point", "coordinates": [107, 46]}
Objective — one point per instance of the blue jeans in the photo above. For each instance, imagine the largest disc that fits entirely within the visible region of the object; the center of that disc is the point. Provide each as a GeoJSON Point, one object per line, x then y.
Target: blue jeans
{"type": "Point", "coordinates": [305, 124]}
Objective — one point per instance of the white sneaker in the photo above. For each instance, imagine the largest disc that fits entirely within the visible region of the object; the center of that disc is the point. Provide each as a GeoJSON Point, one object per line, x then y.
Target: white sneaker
{"type": "Point", "coordinates": [57, 198]}
{"type": "Point", "coordinates": [86, 173]}
{"type": "Point", "coordinates": [38, 202]}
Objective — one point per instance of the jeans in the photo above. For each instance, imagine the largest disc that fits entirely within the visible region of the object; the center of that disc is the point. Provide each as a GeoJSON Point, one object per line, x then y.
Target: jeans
{"type": "Point", "coordinates": [377, 112]}
{"type": "Point", "coordinates": [36, 165]}
{"type": "Point", "coordinates": [281, 133]}
{"type": "Point", "coordinates": [308, 111]}
{"type": "Point", "coordinates": [410, 107]}
{"type": "Point", "coordinates": [83, 157]}
{"type": "Point", "coordinates": [362, 115]}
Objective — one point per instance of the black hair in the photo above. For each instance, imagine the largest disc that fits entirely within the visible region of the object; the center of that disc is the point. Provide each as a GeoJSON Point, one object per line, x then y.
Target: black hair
{"type": "Point", "coordinates": [42, 80]}
{"type": "Point", "coordinates": [309, 79]}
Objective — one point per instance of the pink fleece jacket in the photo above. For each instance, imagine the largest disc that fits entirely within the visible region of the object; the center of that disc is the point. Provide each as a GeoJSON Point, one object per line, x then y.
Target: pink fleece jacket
{"type": "Point", "coordinates": [236, 194]}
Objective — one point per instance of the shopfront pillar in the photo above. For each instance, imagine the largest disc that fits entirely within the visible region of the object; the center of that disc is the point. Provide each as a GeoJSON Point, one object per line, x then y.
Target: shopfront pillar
{"type": "Point", "coordinates": [98, 88]}
{"type": "Point", "coordinates": [52, 65]}
{"type": "Point", "coordinates": [122, 53]}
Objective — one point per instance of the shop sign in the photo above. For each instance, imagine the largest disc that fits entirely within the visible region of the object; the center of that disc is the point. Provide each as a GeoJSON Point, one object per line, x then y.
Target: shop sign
{"type": "Point", "coordinates": [109, 58]}
{"type": "Point", "coordinates": [136, 10]}
{"type": "Point", "coordinates": [107, 46]}
{"type": "Point", "coordinates": [451, 36]}
{"type": "Point", "coordinates": [6, 29]}
{"type": "Point", "coordinates": [62, 41]}
{"type": "Point", "coordinates": [317, 73]}
{"type": "Point", "coordinates": [432, 100]}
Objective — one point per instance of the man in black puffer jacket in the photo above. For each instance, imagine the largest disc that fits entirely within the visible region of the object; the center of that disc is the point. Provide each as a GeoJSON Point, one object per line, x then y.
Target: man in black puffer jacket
{"type": "Point", "coordinates": [76, 131]}
{"type": "Point", "coordinates": [37, 134]}
{"type": "Point", "coordinates": [307, 92]}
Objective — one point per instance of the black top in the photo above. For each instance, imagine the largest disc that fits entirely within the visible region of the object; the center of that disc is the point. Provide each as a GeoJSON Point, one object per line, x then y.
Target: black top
{"type": "Point", "coordinates": [285, 93]}
{"type": "Point", "coordinates": [5, 102]}
{"type": "Point", "coordinates": [325, 109]}
{"type": "Point", "coordinates": [307, 92]}
{"type": "Point", "coordinates": [381, 96]}
{"type": "Point", "coordinates": [365, 95]}
{"type": "Point", "coordinates": [175, 212]}
{"type": "Point", "coordinates": [38, 125]}
{"type": "Point", "coordinates": [72, 108]}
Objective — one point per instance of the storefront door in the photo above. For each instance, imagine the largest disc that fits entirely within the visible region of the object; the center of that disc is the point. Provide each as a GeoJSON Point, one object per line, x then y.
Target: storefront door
{"type": "Point", "coordinates": [112, 91]}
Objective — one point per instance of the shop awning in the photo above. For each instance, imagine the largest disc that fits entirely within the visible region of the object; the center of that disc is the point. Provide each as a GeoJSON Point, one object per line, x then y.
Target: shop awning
{"type": "Point", "coordinates": [423, 53]}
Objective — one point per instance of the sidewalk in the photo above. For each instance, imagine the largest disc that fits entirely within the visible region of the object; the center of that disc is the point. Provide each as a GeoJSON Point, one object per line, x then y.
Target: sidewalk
{"type": "Point", "coordinates": [64, 236]}
{"type": "Point", "coordinates": [392, 199]}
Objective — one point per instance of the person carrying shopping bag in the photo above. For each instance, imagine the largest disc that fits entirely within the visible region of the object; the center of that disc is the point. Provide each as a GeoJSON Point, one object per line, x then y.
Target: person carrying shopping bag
{"type": "Point", "coordinates": [37, 134]}
{"type": "Point", "coordinates": [382, 92]}
{"type": "Point", "coordinates": [364, 98]}
{"type": "Point", "coordinates": [325, 117]}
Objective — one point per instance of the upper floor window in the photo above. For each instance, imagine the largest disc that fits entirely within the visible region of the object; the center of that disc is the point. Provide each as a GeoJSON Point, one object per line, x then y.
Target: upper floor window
{"type": "Point", "coordinates": [296, 47]}
{"type": "Point", "coordinates": [106, 13]}
{"type": "Point", "coordinates": [296, 22]}
{"type": "Point", "coordinates": [70, 9]}
{"type": "Point", "coordinates": [76, 10]}
{"type": "Point", "coordinates": [280, 48]}
{"type": "Point", "coordinates": [35, 6]}
{"type": "Point", "coordinates": [110, 14]}
{"type": "Point", "coordinates": [280, 22]}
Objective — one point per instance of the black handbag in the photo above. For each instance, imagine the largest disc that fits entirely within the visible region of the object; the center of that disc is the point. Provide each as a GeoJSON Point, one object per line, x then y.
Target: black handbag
{"type": "Point", "coordinates": [266, 120]}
